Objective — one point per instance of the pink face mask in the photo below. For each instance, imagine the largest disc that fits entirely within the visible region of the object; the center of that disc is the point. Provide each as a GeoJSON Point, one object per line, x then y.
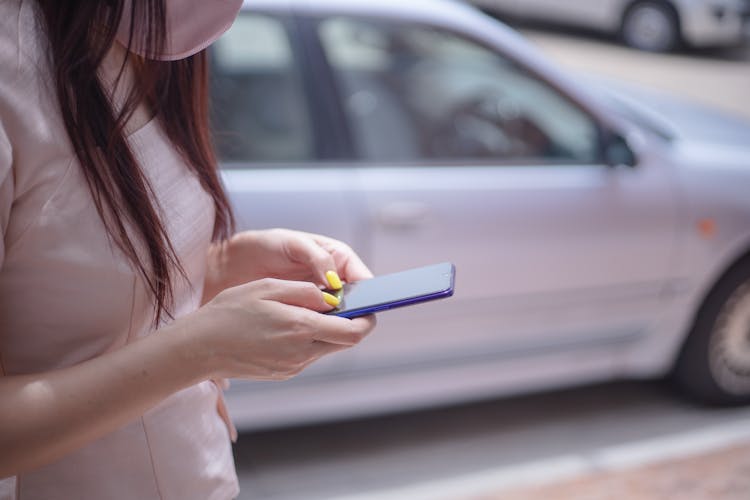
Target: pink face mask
{"type": "Point", "coordinates": [192, 25]}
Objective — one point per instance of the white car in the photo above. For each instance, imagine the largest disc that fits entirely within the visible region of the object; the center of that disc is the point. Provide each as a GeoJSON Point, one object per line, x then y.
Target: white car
{"type": "Point", "coordinates": [596, 235]}
{"type": "Point", "coordinates": [653, 25]}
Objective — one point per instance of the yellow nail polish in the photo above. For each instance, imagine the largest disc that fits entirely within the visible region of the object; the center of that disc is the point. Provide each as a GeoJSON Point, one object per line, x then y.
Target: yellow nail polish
{"type": "Point", "coordinates": [331, 300]}
{"type": "Point", "coordinates": [334, 280]}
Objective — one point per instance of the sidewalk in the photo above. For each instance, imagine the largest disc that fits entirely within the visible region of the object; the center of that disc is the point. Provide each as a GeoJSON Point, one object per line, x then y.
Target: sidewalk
{"type": "Point", "coordinates": [718, 475]}
{"type": "Point", "coordinates": [706, 463]}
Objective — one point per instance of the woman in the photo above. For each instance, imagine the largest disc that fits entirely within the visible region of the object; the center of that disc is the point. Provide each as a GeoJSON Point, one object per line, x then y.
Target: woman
{"type": "Point", "coordinates": [122, 294]}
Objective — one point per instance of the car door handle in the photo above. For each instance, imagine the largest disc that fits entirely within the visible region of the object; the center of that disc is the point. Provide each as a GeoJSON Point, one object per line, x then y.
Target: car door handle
{"type": "Point", "coordinates": [402, 214]}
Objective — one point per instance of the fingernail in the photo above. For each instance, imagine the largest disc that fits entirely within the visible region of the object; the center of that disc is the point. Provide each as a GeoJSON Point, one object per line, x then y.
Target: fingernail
{"type": "Point", "coordinates": [331, 300]}
{"type": "Point", "coordinates": [334, 280]}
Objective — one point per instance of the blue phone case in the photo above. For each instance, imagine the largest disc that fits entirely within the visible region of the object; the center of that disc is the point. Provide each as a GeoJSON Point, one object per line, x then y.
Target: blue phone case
{"type": "Point", "coordinates": [395, 290]}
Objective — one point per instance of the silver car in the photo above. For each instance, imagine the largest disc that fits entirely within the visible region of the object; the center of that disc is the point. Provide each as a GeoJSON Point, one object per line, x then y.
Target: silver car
{"type": "Point", "coordinates": [654, 25]}
{"type": "Point", "coordinates": [596, 234]}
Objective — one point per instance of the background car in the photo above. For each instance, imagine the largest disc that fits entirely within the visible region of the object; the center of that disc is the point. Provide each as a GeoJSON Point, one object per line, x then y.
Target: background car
{"type": "Point", "coordinates": [654, 25]}
{"type": "Point", "coordinates": [594, 236]}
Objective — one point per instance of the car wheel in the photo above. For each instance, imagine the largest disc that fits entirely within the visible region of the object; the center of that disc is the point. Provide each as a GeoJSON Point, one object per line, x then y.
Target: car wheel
{"type": "Point", "coordinates": [650, 26]}
{"type": "Point", "coordinates": [714, 365]}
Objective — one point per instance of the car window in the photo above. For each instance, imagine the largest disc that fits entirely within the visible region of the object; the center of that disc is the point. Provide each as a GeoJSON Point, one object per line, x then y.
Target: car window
{"type": "Point", "coordinates": [413, 92]}
{"type": "Point", "coordinates": [259, 109]}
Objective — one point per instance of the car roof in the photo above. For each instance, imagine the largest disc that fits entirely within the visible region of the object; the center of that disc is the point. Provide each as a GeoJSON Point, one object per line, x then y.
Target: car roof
{"type": "Point", "coordinates": [439, 8]}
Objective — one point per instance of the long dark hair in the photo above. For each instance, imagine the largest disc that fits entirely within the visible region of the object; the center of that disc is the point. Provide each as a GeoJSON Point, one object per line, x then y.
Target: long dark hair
{"type": "Point", "coordinates": [80, 36]}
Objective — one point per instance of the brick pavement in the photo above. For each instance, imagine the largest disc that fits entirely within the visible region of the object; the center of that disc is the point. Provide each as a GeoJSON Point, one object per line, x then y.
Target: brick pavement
{"type": "Point", "coordinates": [718, 475]}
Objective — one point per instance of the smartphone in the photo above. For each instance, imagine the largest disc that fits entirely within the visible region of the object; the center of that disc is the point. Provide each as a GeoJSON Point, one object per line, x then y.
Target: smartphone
{"type": "Point", "coordinates": [395, 290]}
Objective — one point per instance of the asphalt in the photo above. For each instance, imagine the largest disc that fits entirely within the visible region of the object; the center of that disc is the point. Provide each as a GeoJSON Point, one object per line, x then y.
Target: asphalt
{"type": "Point", "coordinates": [718, 78]}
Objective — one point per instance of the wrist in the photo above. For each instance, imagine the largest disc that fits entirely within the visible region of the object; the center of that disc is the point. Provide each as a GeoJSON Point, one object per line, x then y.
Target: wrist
{"type": "Point", "coordinates": [217, 259]}
{"type": "Point", "coordinates": [190, 348]}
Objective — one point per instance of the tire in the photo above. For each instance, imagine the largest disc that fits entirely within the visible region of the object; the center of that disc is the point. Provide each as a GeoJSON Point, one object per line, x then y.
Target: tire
{"type": "Point", "coordinates": [651, 26]}
{"type": "Point", "coordinates": [714, 364]}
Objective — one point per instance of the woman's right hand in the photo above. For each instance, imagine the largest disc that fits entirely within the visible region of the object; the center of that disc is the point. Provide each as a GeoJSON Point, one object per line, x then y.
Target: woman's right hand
{"type": "Point", "coordinates": [270, 329]}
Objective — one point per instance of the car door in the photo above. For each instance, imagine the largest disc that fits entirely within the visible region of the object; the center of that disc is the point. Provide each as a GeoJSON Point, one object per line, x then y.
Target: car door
{"type": "Point", "coordinates": [467, 157]}
{"type": "Point", "coordinates": [269, 134]}
{"type": "Point", "coordinates": [598, 14]}
{"type": "Point", "coordinates": [505, 7]}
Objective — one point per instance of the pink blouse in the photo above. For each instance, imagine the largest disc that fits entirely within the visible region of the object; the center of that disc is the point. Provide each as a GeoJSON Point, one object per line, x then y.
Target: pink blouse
{"type": "Point", "coordinates": [67, 293]}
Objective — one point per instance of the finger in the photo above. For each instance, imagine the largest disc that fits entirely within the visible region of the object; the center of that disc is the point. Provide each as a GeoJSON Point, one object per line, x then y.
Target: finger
{"type": "Point", "coordinates": [320, 349]}
{"type": "Point", "coordinates": [343, 331]}
{"type": "Point", "coordinates": [308, 252]}
{"type": "Point", "coordinates": [294, 293]}
{"type": "Point", "coordinates": [348, 263]}
{"type": "Point", "coordinates": [365, 324]}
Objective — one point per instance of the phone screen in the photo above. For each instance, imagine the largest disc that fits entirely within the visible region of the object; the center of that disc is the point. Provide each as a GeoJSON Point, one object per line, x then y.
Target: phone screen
{"type": "Point", "coordinates": [396, 290]}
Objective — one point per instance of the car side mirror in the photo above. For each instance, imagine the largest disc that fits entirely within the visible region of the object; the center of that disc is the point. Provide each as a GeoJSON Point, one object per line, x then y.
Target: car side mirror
{"type": "Point", "coordinates": [617, 151]}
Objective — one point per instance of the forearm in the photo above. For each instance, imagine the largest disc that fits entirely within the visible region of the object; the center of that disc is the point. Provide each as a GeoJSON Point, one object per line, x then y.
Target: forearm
{"type": "Point", "coordinates": [47, 415]}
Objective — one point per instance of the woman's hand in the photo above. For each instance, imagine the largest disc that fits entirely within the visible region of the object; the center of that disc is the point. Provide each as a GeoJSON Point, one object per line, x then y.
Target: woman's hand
{"type": "Point", "coordinates": [262, 314]}
{"type": "Point", "coordinates": [283, 254]}
{"type": "Point", "coordinates": [270, 329]}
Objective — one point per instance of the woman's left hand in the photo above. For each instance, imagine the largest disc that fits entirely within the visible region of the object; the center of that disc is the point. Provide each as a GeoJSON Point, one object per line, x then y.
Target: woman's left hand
{"type": "Point", "coordinates": [283, 254]}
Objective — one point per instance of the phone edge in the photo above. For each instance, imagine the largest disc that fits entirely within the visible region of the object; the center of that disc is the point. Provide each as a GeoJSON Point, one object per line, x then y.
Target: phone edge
{"type": "Point", "coordinates": [448, 292]}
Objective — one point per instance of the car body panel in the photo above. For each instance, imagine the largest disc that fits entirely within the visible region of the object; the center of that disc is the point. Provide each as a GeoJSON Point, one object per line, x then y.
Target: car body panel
{"type": "Point", "coordinates": [591, 213]}
{"type": "Point", "coordinates": [715, 23]}
{"type": "Point", "coordinates": [702, 23]}
{"type": "Point", "coordinates": [598, 14]}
